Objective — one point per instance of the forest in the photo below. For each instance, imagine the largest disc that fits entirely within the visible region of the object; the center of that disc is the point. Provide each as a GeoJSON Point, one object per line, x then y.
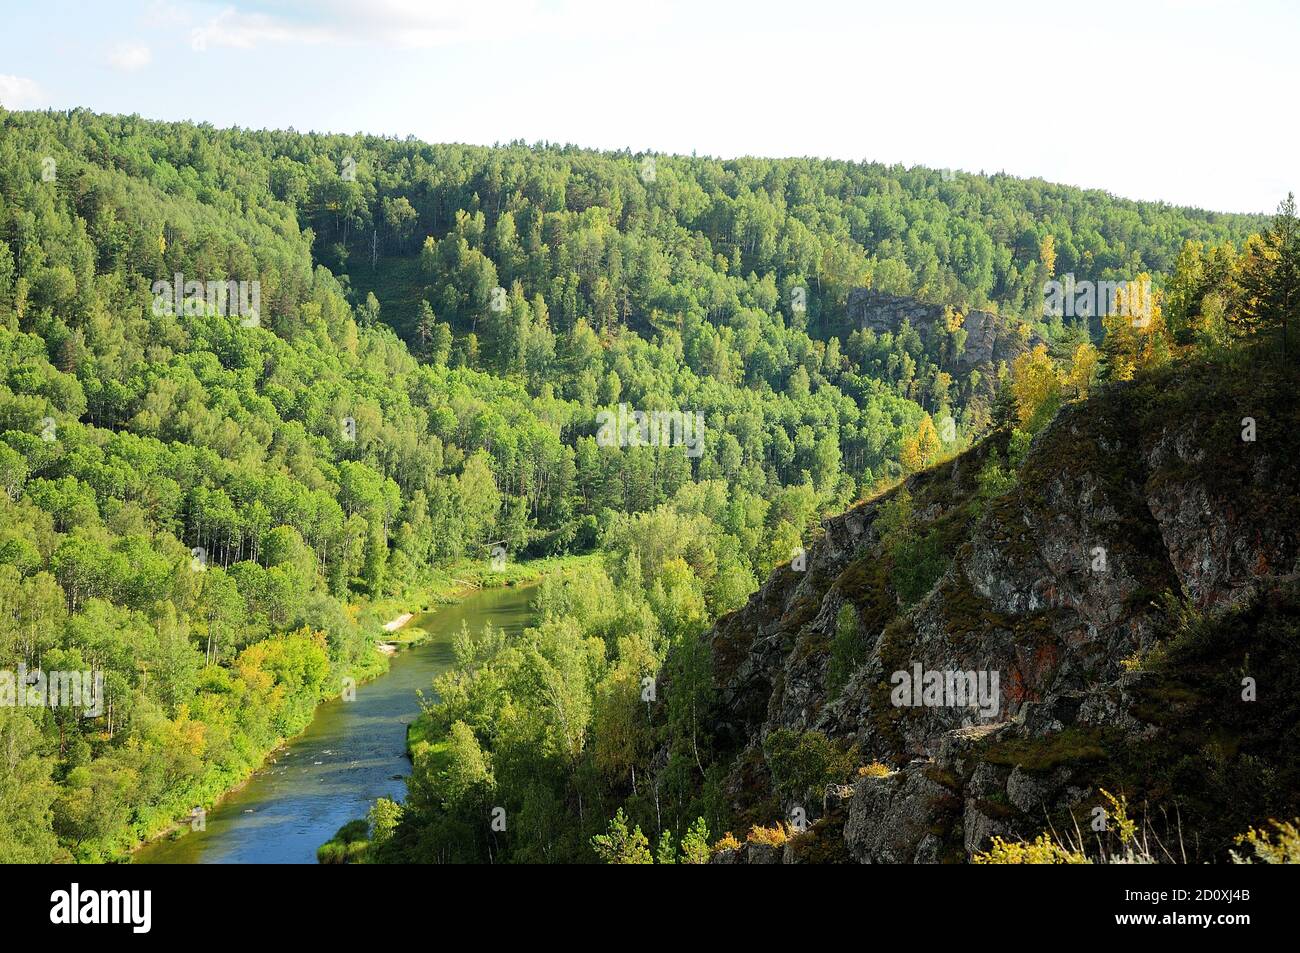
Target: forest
{"type": "Point", "coordinates": [200, 504]}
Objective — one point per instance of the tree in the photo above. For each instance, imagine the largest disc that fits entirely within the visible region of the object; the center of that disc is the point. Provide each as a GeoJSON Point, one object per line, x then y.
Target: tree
{"type": "Point", "coordinates": [847, 650]}
{"type": "Point", "coordinates": [1135, 335]}
{"type": "Point", "coordinates": [1036, 388]}
{"type": "Point", "coordinates": [400, 217]}
{"type": "Point", "coordinates": [623, 739]}
{"type": "Point", "coordinates": [1083, 370]}
{"type": "Point", "coordinates": [666, 851]}
{"type": "Point", "coordinates": [922, 448]}
{"type": "Point", "coordinates": [1047, 255]}
{"type": "Point", "coordinates": [424, 328]}
{"type": "Point", "coordinates": [439, 348]}
{"type": "Point", "coordinates": [621, 846]}
{"type": "Point", "coordinates": [478, 499]}
{"type": "Point", "coordinates": [27, 793]}
{"type": "Point", "coordinates": [1270, 277]}
{"type": "Point", "coordinates": [466, 775]}
{"type": "Point", "coordinates": [695, 843]}
{"type": "Point", "coordinates": [368, 314]}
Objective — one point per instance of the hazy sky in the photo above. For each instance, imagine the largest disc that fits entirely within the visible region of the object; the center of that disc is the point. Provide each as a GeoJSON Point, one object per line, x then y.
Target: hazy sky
{"type": "Point", "coordinates": [1189, 101]}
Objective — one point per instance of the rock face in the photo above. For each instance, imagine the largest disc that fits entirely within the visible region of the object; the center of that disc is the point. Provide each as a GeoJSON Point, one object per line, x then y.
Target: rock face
{"type": "Point", "coordinates": [990, 338]}
{"type": "Point", "coordinates": [1140, 573]}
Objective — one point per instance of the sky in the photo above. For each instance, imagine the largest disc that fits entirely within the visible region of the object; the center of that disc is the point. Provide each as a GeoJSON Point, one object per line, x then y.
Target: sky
{"type": "Point", "coordinates": [1191, 102]}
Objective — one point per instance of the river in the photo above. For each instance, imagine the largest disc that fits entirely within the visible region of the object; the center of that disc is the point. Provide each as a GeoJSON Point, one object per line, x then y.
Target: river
{"type": "Point", "coordinates": [351, 753]}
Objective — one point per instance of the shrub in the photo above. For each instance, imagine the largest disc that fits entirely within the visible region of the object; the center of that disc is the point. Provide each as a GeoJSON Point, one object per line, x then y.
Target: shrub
{"type": "Point", "coordinates": [804, 761]}
{"type": "Point", "coordinates": [774, 836]}
{"type": "Point", "coordinates": [848, 650]}
{"type": "Point", "coordinates": [1279, 846]}
{"type": "Point", "coordinates": [1117, 842]}
{"type": "Point", "coordinates": [348, 846]}
{"type": "Point", "coordinates": [1043, 850]}
{"type": "Point", "coordinates": [726, 842]}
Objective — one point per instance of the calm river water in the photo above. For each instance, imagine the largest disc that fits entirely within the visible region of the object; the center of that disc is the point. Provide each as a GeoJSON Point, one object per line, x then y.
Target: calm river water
{"type": "Point", "coordinates": [352, 753]}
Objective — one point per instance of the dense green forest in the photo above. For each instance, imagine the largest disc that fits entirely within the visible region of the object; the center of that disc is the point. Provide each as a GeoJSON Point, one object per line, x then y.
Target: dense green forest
{"type": "Point", "coordinates": [198, 504]}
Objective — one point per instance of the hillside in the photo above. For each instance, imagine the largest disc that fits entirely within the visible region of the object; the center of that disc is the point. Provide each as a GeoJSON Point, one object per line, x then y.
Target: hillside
{"type": "Point", "coordinates": [1125, 675]}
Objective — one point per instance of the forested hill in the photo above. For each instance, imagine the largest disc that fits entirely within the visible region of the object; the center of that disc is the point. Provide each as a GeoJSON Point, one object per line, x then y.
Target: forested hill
{"type": "Point", "coordinates": [200, 502]}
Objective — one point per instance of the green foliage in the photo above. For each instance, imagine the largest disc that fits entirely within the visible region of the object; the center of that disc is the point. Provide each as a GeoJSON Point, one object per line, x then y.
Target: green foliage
{"type": "Point", "coordinates": [803, 763]}
{"type": "Point", "coordinates": [382, 819]}
{"type": "Point", "coordinates": [1269, 278]}
{"type": "Point", "coordinates": [350, 845]}
{"type": "Point", "coordinates": [567, 715]}
{"type": "Point", "coordinates": [665, 852]}
{"type": "Point", "coordinates": [695, 843]}
{"type": "Point", "coordinates": [202, 508]}
{"type": "Point", "coordinates": [27, 794]}
{"type": "Point", "coordinates": [621, 846]}
{"type": "Point", "coordinates": [848, 650]}
{"type": "Point", "coordinates": [993, 479]}
{"type": "Point", "coordinates": [917, 559]}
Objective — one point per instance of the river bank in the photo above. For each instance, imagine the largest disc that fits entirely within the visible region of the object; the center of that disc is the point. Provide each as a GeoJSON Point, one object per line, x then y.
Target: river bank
{"type": "Point", "coordinates": [221, 781]}
{"type": "Point", "coordinates": [442, 587]}
{"type": "Point", "coordinates": [349, 752]}
{"type": "Point", "coordinates": [448, 585]}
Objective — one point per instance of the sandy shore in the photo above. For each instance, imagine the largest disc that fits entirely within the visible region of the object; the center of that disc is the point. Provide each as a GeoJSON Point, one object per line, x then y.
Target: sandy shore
{"type": "Point", "coordinates": [395, 624]}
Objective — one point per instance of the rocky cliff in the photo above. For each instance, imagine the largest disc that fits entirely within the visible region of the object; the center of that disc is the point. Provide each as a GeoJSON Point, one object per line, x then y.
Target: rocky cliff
{"type": "Point", "coordinates": [1132, 597]}
{"type": "Point", "coordinates": [991, 339]}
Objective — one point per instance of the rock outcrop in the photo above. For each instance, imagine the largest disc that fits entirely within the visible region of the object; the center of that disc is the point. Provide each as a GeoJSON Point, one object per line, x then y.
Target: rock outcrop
{"type": "Point", "coordinates": [1138, 579]}
{"type": "Point", "coordinates": [990, 340]}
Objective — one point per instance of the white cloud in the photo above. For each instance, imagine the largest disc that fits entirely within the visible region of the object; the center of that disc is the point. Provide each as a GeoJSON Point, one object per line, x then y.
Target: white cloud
{"type": "Point", "coordinates": [130, 57]}
{"type": "Point", "coordinates": [245, 31]}
{"type": "Point", "coordinates": [18, 92]}
{"type": "Point", "coordinates": [408, 24]}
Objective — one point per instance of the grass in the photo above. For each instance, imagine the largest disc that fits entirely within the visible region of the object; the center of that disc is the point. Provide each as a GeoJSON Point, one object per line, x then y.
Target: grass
{"type": "Point", "coordinates": [397, 284]}
{"type": "Point", "coordinates": [349, 845]}
{"type": "Point", "coordinates": [447, 585]}
{"type": "Point", "coordinates": [1071, 746]}
{"type": "Point", "coordinates": [425, 740]}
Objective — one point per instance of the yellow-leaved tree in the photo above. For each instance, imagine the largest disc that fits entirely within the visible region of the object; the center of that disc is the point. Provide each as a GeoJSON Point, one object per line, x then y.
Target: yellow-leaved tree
{"type": "Point", "coordinates": [1035, 388]}
{"type": "Point", "coordinates": [1083, 370]}
{"type": "Point", "coordinates": [1135, 334]}
{"type": "Point", "coordinates": [922, 449]}
{"type": "Point", "coordinates": [1047, 256]}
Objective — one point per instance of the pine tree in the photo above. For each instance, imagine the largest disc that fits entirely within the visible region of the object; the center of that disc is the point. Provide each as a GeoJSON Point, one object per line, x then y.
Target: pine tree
{"type": "Point", "coordinates": [424, 327]}
{"type": "Point", "coordinates": [1270, 277]}
{"type": "Point", "coordinates": [621, 846]}
{"type": "Point", "coordinates": [695, 843]}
